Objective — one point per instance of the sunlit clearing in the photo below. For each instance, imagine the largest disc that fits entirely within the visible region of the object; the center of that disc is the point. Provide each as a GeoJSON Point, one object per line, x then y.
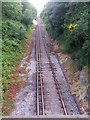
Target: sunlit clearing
{"type": "Point", "coordinates": [39, 4]}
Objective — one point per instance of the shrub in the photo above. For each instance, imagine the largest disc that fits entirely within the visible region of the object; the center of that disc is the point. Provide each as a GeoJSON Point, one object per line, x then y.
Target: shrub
{"type": "Point", "coordinates": [14, 34]}
{"type": "Point", "coordinates": [13, 29]}
{"type": "Point", "coordinates": [12, 10]}
{"type": "Point", "coordinates": [68, 23]}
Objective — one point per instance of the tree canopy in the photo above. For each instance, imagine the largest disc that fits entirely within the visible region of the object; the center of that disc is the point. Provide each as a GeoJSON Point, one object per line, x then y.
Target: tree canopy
{"type": "Point", "coordinates": [68, 23]}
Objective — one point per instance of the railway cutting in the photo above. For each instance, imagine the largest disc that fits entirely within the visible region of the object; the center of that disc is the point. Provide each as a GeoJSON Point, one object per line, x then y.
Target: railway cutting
{"type": "Point", "coordinates": [46, 91]}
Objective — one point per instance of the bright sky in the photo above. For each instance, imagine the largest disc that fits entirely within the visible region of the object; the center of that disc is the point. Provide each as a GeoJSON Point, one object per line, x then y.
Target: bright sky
{"type": "Point", "coordinates": [39, 4]}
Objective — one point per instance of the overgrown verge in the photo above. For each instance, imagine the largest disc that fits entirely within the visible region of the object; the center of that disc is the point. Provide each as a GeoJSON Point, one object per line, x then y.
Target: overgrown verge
{"type": "Point", "coordinates": [19, 76]}
{"type": "Point", "coordinates": [16, 31]}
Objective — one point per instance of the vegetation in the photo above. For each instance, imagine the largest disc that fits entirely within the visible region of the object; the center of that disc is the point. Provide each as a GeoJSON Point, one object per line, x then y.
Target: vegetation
{"type": "Point", "coordinates": [16, 23]}
{"type": "Point", "coordinates": [68, 23]}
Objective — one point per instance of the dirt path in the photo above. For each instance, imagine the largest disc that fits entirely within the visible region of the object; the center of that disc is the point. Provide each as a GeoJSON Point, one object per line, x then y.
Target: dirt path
{"type": "Point", "coordinates": [53, 91]}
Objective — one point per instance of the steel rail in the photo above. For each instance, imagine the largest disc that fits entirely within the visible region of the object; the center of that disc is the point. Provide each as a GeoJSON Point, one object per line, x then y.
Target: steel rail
{"type": "Point", "coordinates": [81, 112]}
{"type": "Point", "coordinates": [54, 76]}
{"type": "Point", "coordinates": [39, 74]}
{"type": "Point", "coordinates": [41, 80]}
{"type": "Point", "coordinates": [37, 93]}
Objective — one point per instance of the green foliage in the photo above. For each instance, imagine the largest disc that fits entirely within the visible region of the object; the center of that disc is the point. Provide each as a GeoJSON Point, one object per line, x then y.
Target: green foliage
{"type": "Point", "coordinates": [58, 17]}
{"type": "Point", "coordinates": [12, 52]}
{"type": "Point", "coordinates": [53, 15]}
{"type": "Point", "coordinates": [29, 13]}
{"type": "Point", "coordinates": [12, 10]}
{"type": "Point", "coordinates": [15, 31]}
{"type": "Point", "coordinates": [27, 17]}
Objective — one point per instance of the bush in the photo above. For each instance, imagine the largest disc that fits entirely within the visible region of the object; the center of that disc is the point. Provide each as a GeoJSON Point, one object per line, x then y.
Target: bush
{"type": "Point", "coordinates": [68, 23]}
{"type": "Point", "coordinates": [12, 10]}
{"type": "Point", "coordinates": [14, 33]}
{"type": "Point", "coordinates": [10, 54]}
{"type": "Point", "coordinates": [29, 13]}
{"type": "Point", "coordinates": [13, 30]}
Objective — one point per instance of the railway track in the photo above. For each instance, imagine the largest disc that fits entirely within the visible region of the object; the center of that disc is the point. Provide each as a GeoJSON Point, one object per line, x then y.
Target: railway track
{"type": "Point", "coordinates": [40, 96]}
{"type": "Point", "coordinates": [52, 91]}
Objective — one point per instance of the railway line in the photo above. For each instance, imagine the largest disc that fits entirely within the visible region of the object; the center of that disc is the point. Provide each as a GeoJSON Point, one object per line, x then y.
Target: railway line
{"type": "Point", "coordinates": [46, 90]}
{"type": "Point", "coordinates": [49, 73]}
